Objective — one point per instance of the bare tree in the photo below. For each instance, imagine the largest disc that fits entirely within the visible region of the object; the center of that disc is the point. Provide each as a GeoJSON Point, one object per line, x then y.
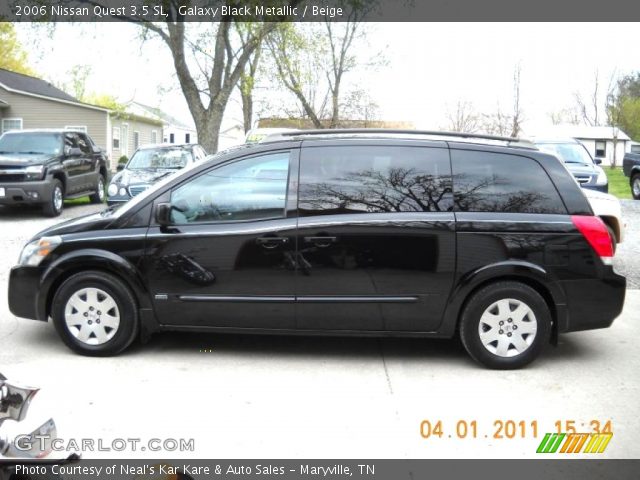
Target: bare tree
{"type": "Point", "coordinates": [497, 123]}
{"type": "Point", "coordinates": [517, 116]}
{"type": "Point", "coordinates": [312, 60]}
{"type": "Point", "coordinates": [590, 109]}
{"type": "Point", "coordinates": [502, 123]}
{"type": "Point", "coordinates": [248, 79]}
{"type": "Point", "coordinates": [358, 105]}
{"type": "Point", "coordinates": [566, 116]}
{"type": "Point", "coordinates": [463, 118]}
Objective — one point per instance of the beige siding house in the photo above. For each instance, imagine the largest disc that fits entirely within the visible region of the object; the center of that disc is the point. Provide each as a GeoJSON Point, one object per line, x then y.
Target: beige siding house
{"type": "Point", "coordinates": [127, 132]}
{"type": "Point", "coordinates": [27, 102]}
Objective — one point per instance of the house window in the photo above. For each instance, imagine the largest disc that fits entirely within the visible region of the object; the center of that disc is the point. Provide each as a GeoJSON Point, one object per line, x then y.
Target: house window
{"type": "Point", "coordinates": [136, 140]}
{"type": "Point", "coordinates": [601, 148]}
{"type": "Point", "coordinates": [172, 138]}
{"type": "Point", "coordinates": [116, 138]}
{"type": "Point", "coordinates": [9, 124]}
{"type": "Point", "coordinates": [154, 136]}
{"type": "Point", "coordinates": [187, 138]}
{"type": "Point", "coordinates": [77, 128]}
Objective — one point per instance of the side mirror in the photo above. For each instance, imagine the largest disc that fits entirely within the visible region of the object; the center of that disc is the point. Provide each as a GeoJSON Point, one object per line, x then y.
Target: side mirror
{"type": "Point", "coordinates": [163, 214]}
{"type": "Point", "coordinates": [597, 161]}
{"type": "Point", "coordinates": [120, 167]}
{"type": "Point", "coordinates": [72, 152]}
{"type": "Point", "coordinates": [96, 149]}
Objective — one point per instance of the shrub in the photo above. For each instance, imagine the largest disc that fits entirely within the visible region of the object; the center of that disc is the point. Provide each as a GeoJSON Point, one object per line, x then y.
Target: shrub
{"type": "Point", "coordinates": [123, 159]}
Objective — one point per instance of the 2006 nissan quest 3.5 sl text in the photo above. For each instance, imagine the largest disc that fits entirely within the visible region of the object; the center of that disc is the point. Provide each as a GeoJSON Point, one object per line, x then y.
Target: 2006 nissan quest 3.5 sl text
{"type": "Point", "coordinates": [353, 232]}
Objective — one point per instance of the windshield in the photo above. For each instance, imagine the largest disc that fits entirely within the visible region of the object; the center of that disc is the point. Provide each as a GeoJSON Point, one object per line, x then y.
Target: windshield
{"type": "Point", "coordinates": [48, 143]}
{"type": "Point", "coordinates": [568, 152]}
{"type": "Point", "coordinates": [160, 158]}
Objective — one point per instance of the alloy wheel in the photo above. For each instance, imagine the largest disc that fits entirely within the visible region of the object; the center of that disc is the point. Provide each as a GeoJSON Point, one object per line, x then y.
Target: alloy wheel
{"type": "Point", "coordinates": [57, 199]}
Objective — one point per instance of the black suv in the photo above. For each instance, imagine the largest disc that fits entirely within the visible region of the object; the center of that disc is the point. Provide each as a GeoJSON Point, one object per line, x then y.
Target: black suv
{"type": "Point", "coordinates": [385, 233]}
{"type": "Point", "coordinates": [631, 168]}
{"type": "Point", "coordinates": [43, 167]}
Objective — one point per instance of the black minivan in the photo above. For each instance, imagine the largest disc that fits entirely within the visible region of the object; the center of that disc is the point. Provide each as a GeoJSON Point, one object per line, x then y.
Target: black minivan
{"type": "Point", "coordinates": [350, 232]}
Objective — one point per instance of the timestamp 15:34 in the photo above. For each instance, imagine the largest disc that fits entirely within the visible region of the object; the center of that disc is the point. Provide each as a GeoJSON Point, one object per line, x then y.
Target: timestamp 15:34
{"type": "Point", "coordinates": [508, 429]}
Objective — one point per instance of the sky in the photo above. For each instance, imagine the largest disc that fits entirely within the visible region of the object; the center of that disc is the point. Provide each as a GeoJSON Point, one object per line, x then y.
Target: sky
{"type": "Point", "coordinates": [429, 66]}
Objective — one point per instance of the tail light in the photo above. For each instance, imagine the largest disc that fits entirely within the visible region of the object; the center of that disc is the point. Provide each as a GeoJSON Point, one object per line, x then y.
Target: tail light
{"type": "Point", "coordinates": [597, 234]}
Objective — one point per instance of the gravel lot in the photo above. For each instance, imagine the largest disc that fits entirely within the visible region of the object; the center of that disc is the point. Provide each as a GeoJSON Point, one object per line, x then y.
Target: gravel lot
{"type": "Point", "coordinates": [280, 397]}
{"type": "Point", "coordinates": [627, 260]}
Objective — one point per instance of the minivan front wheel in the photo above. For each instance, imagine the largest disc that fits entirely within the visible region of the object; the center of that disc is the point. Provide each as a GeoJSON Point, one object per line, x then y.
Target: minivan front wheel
{"type": "Point", "coordinates": [95, 314]}
{"type": "Point", "coordinates": [505, 325]}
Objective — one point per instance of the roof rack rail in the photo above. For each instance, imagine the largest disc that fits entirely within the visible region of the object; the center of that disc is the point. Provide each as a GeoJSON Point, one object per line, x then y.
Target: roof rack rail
{"type": "Point", "coordinates": [335, 131]}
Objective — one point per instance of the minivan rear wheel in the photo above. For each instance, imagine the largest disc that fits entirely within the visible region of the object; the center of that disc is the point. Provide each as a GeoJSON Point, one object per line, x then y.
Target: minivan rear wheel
{"type": "Point", "coordinates": [505, 325]}
{"type": "Point", "coordinates": [95, 314]}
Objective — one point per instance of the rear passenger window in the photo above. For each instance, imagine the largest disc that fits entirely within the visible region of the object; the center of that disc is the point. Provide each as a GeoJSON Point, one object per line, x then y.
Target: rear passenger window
{"type": "Point", "coordinates": [493, 182]}
{"type": "Point", "coordinates": [371, 179]}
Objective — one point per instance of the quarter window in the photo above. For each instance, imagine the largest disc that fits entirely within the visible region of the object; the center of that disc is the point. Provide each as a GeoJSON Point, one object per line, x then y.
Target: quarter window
{"type": "Point", "coordinates": [493, 182]}
{"type": "Point", "coordinates": [250, 189]}
{"type": "Point", "coordinates": [372, 179]}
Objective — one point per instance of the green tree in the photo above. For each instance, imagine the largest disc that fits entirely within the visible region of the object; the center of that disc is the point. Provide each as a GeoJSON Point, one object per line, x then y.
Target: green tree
{"type": "Point", "coordinates": [623, 105]}
{"type": "Point", "coordinates": [12, 56]}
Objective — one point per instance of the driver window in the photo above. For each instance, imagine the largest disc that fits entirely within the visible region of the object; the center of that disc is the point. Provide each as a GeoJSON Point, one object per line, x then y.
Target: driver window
{"type": "Point", "coordinates": [250, 189]}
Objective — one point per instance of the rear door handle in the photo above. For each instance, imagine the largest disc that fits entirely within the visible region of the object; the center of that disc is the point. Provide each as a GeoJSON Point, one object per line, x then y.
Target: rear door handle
{"type": "Point", "coordinates": [321, 241]}
{"type": "Point", "coordinates": [271, 242]}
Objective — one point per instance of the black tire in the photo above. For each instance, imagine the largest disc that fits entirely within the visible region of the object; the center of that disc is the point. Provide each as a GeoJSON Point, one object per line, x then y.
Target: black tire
{"type": "Point", "coordinates": [481, 301]}
{"type": "Point", "coordinates": [99, 196]}
{"type": "Point", "coordinates": [612, 234]}
{"type": "Point", "coordinates": [635, 186]}
{"type": "Point", "coordinates": [55, 203]}
{"type": "Point", "coordinates": [125, 332]}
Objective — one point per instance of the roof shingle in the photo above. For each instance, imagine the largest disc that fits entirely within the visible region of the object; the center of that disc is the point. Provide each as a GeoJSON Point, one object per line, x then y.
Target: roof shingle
{"type": "Point", "coordinates": [36, 86]}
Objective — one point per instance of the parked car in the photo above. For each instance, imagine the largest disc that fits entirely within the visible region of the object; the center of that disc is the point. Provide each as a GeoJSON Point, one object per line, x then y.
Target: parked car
{"type": "Point", "coordinates": [376, 233]}
{"type": "Point", "coordinates": [256, 135]}
{"type": "Point", "coordinates": [608, 208]}
{"type": "Point", "coordinates": [147, 165]}
{"type": "Point", "coordinates": [586, 170]}
{"type": "Point", "coordinates": [45, 167]}
{"type": "Point", "coordinates": [631, 169]}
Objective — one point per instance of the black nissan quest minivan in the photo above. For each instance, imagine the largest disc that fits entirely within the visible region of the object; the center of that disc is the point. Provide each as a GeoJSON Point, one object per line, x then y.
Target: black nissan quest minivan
{"type": "Point", "coordinates": [349, 232]}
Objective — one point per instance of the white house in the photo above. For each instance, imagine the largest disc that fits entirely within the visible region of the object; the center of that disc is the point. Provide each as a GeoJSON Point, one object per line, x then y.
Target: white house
{"type": "Point", "coordinates": [231, 136]}
{"type": "Point", "coordinates": [598, 140]}
{"type": "Point", "coordinates": [173, 130]}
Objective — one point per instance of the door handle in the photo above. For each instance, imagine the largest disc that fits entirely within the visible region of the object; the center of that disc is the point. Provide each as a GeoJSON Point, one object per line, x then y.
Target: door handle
{"type": "Point", "coordinates": [271, 242]}
{"type": "Point", "coordinates": [321, 241]}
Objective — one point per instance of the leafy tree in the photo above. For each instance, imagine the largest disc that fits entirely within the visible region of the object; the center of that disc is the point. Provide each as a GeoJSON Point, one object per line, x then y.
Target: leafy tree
{"type": "Point", "coordinates": [12, 56]}
{"type": "Point", "coordinates": [623, 105]}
